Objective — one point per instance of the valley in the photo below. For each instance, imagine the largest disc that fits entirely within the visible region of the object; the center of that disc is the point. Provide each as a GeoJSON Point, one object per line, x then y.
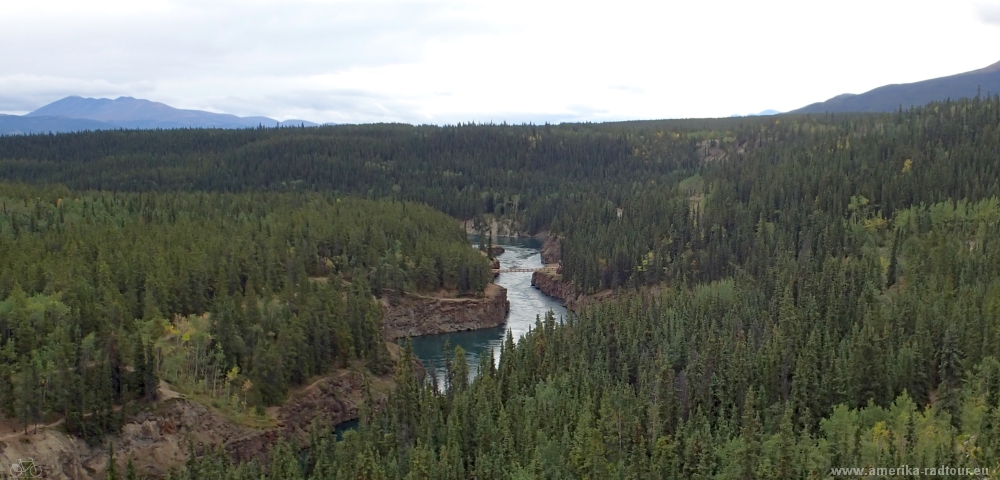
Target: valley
{"type": "Point", "coordinates": [755, 297]}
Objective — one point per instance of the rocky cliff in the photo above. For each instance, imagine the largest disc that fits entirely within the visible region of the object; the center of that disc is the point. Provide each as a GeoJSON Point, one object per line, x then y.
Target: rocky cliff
{"type": "Point", "coordinates": [156, 441]}
{"type": "Point", "coordinates": [552, 285]}
{"type": "Point", "coordinates": [416, 315]}
{"type": "Point", "coordinates": [331, 400]}
{"type": "Point", "coordinates": [159, 439]}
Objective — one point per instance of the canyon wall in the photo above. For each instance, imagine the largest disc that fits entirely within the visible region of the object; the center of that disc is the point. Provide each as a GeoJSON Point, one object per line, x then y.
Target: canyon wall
{"type": "Point", "coordinates": [552, 285]}
{"type": "Point", "coordinates": [160, 438]}
{"type": "Point", "coordinates": [414, 315]}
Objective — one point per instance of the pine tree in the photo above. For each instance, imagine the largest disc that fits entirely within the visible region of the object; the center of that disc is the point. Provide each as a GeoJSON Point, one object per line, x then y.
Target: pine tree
{"type": "Point", "coordinates": [750, 438]}
{"type": "Point", "coordinates": [111, 473]}
{"type": "Point", "coordinates": [130, 471]}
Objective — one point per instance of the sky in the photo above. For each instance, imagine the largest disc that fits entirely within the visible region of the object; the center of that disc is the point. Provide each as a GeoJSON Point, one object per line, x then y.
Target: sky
{"type": "Point", "coordinates": [515, 61]}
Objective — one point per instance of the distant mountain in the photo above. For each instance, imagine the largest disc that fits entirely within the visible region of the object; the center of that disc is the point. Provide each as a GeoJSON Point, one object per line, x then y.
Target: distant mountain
{"type": "Point", "coordinates": [79, 113]}
{"type": "Point", "coordinates": [891, 97]}
{"type": "Point", "coordinates": [759, 114]}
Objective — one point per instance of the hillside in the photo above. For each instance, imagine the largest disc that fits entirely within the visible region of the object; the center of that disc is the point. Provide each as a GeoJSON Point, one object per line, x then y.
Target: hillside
{"type": "Point", "coordinates": [890, 97]}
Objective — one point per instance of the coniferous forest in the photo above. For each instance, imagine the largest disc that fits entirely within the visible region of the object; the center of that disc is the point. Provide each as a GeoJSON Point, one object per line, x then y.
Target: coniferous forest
{"type": "Point", "coordinates": [789, 294]}
{"type": "Point", "coordinates": [103, 293]}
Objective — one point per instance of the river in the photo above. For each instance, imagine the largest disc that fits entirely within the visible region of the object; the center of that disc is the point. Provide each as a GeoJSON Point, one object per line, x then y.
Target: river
{"type": "Point", "coordinates": [526, 302]}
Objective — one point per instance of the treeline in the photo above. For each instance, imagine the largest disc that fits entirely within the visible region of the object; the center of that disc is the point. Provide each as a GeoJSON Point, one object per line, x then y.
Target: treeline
{"type": "Point", "coordinates": [236, 296]}
{"type": "Point", "coordinates": [783, 184]}
{"type": "Point", "coordinates": [522, 173]}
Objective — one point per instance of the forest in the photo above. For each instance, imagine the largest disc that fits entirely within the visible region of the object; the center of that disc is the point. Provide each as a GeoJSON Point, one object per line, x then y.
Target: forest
{"type": "Point", "coordinates": [237, 296]}
{"type": "Point", "coordinates": [791, 294]}
{"type": "Point", "coordinates": [522, 172]}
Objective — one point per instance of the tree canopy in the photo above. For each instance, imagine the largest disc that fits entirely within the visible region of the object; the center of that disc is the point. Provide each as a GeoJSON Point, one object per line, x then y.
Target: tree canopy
{"type": "Point", "coordinates": [787, 294]}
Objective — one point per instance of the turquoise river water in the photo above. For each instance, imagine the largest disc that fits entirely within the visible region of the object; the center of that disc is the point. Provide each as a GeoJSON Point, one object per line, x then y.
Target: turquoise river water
{"type": "Point", "coordinates": [526, 303]}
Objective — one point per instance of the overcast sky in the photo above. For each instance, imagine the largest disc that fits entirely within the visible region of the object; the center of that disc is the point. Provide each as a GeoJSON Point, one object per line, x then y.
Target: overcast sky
{"type": "Point", "coordinates": [500, 60]}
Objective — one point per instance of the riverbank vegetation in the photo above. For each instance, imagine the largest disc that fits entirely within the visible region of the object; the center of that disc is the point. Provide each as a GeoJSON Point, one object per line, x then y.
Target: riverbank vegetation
{"type": "Point", "coordinates": [794, 293]}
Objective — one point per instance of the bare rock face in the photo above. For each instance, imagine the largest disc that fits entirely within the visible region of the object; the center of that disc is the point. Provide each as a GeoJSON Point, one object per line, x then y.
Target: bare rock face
{"type": "Point", "coordinates": [414, 315]}
{"type": "Point", "coordinates": [551, 250]}
{"type": "Point", "coordinates": [553, 285]}
{"type": "Point", "coordinates": [254, 446]}
{"type": "Point", "coordinates": [331, 400]}
{"type": "Point", "coordinates": [162, 439]}
{"type": "Point", "coordinates": [155, 441]}
{"type": "Point", "coordinates": [159, 440]}
{"type": "Point", "coordinates": [58, 455]}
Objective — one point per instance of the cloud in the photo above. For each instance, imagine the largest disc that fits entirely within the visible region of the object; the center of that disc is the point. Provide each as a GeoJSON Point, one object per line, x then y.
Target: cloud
{"type": "Point", "coordinates": [445, 61]}
{"type": "Point", "coordinates": [990, 14]}
{"type": "Point", "coordinates": [183, 41]}
{"type": "Point", "coordinates": [335, 105]}
{"type": "Point", "coordinates": [234, 38]}
{"type": "Point", "coordinates": [22, 93]}
{"type": "Point", "coordinates": [628, 89]}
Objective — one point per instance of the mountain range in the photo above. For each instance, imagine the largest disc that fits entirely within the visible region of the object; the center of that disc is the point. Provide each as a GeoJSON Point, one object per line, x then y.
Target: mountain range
{"type": "Point", "coordinates": [78, 113]}
{"type": "Point", "coordinates": [985, 81]}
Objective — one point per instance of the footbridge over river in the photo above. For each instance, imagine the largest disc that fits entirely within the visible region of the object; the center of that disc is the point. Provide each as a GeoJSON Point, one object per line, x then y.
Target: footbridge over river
{"type": "Point", "coordinates": [546, 269]}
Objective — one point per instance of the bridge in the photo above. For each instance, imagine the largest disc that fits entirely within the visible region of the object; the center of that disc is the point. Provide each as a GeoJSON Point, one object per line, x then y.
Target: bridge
{"type": "Point", "coordinates": [528, 270]}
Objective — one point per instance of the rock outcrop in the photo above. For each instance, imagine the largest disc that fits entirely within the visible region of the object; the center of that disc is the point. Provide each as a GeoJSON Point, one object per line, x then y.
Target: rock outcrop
{"type": "Point", "coordinates": [155, 441]}
{"type": "Point", "coordinates": [57, 454]}
{"type": "Point", "coordinates": [161, 438]}
{"type": "Point", "coordinates": [414, 315]}
{"type": "Point", "coordinates": [553, 285]}
{"type": "Point", "coordinates": [158, 440]}
{"type": "Point", "coordinates": [330, 400]}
